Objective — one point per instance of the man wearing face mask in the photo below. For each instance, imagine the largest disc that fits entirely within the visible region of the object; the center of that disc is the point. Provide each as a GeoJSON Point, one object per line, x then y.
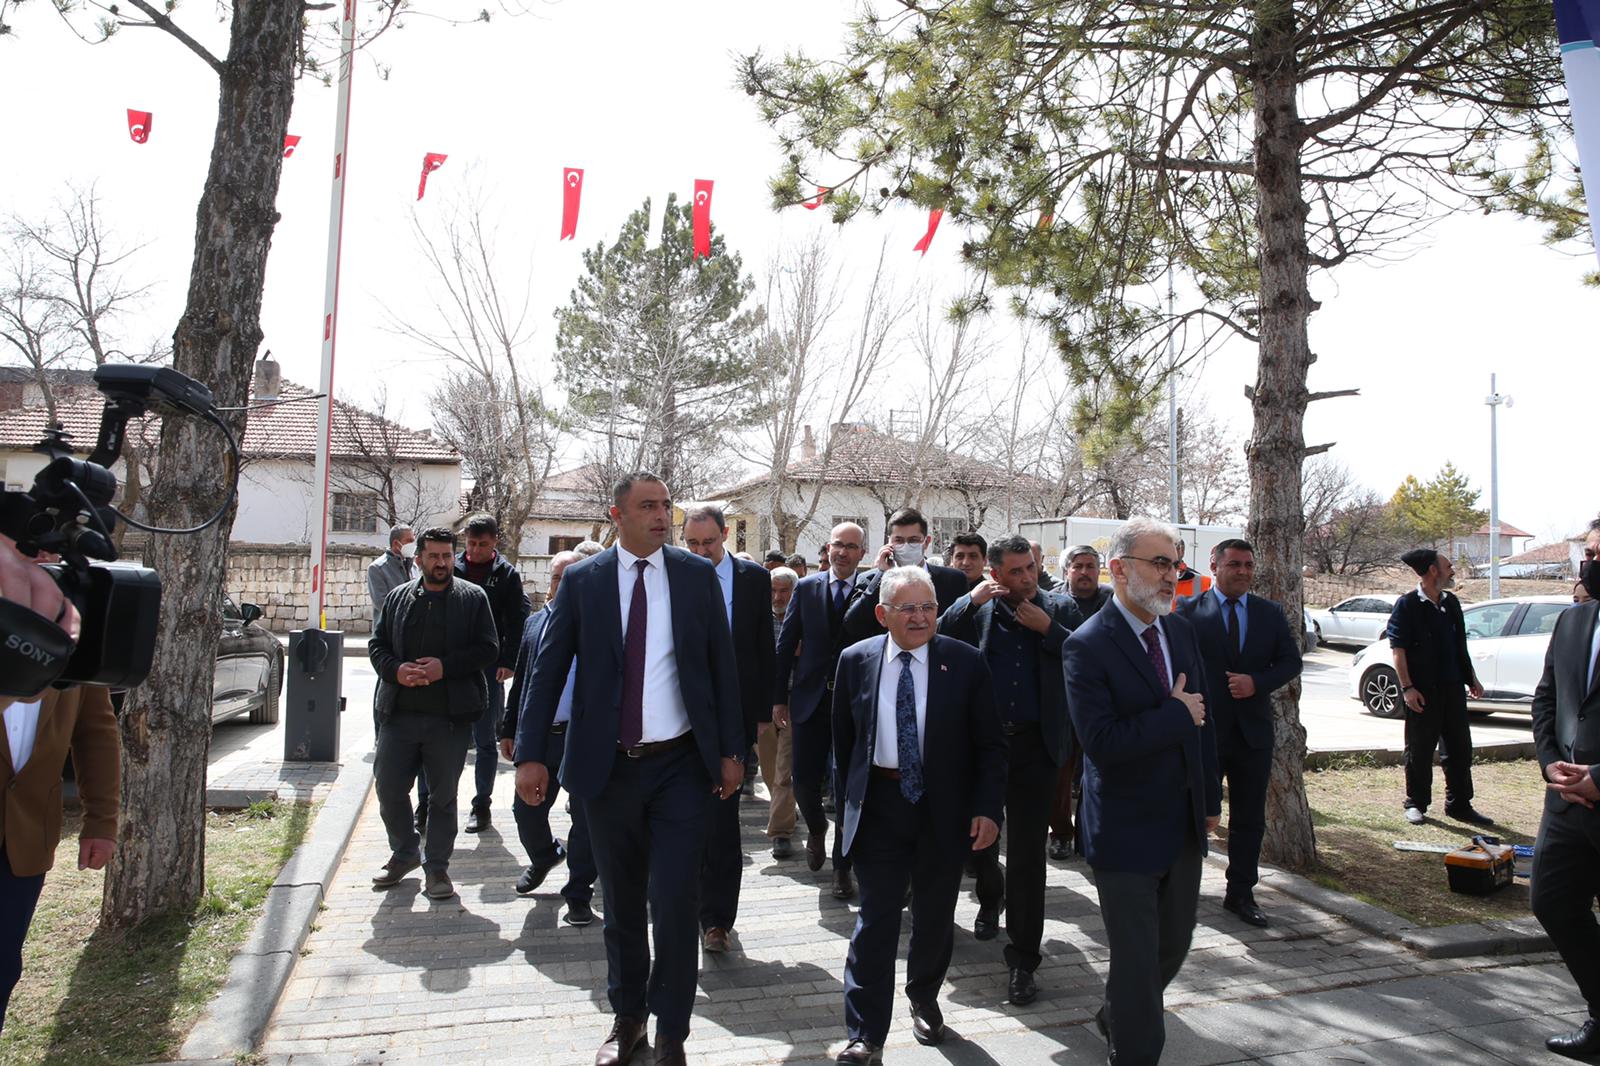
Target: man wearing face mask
{"type": "Point", "coordinates": [1429, 638]}
{"type": "Point", "coordinates": [385, 574]}
{"type": "Point", "coordinates": [907, 546]}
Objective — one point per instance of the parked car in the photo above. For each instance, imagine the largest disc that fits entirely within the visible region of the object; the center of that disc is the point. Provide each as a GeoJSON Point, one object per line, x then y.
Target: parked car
{"type": "Point", "coordinates": [1308, 632]}
{"type": "Point", "coordinates": [1357, 620]}
{"type": "Point", "coordinates": [248, 679]}
{"type": "Point", "coordinates": [1507, 641]}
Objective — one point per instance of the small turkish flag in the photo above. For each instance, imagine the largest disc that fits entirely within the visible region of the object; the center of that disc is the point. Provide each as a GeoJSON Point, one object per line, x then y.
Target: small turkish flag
{"type": "Point", "coordinates": [571, 193]}
{"type": "Point", "coordinates": [822, 192]}
{"type": "Point", "coordinates": [290, 141]}
{"type": "Point", "coordinates": [139, 125]}
{"type": "Point", "coordinates": [702, 218]}
{"type": "Point", "coordinates": [933, 224]}
{"type": "Point", "coordinates": [430, 162]}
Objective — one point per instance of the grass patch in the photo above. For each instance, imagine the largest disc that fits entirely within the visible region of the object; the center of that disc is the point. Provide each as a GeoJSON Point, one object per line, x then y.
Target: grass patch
{"type": "Point", "coordinates": [93, 995]}
{"type": "Point", "coordinates": [1357, 815]}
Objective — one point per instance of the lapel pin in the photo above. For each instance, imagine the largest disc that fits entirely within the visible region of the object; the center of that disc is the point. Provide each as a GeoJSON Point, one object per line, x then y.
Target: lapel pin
{"type": "Point", "coordinates": [943, 668]}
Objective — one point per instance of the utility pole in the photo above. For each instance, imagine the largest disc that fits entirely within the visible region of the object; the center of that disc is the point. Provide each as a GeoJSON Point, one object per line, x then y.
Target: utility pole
{"type": "Point", "coordinates": [1172, 404]}
{"type": "Point", "coordinates": [1494, 400]}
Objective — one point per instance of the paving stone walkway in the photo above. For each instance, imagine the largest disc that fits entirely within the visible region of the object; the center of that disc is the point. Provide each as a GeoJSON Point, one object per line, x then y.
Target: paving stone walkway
{"type": "Point", "coordinates": [493, 977]}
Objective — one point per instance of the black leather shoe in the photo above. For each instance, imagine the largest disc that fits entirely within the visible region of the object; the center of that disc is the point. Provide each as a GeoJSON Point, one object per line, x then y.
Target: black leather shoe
{"type": "Point", "coordinates": [1582, 1043]}
{"type": "Point", "coordinates": [781, 848]}
{"type": "Point", "coordinates": [1060, 850]}
{"type": "Point", "coordinates": [1463, 812]}
{"type": "Point", "coordinates": [860, 1053]}
{"type": "Point", "coordinates": [578, 913]}
{"type": "Point", "coordinates": [987, 925]}
{"type": "Point", "coordinates": [844, 886]}
{"type": "Point", "coordinates": [627, 1034]}
{"type": "Point", "coordinates": [1103, 1023]}
{"type": "Point", "coordinates": [1021, 990]}
{"type": "Point", "coordinates": [927, 1023]}
{"type": "Point", "coordinates": [478, 820]}
{"type": "Point", "coordinates": [816, 851]}
{"type": "Point", "coordinates": [1244, 905]}
{"type": "Point", "coordinates": [535, 874]}
{"type": "Point", "coordinates": [670, 1053]}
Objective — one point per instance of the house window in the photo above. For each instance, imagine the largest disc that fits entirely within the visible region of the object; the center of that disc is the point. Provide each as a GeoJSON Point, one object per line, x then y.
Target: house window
{"type": "Point", "coordinates": [739, 535]}
{"type": "Point", "coordinates": [943, 531]}
{"type": "Point", "coordinates": [564, 544]}
{"type": "Point", "coordinates": [355, 512]}
{"type": "Point", "coordinates": [860, 520]}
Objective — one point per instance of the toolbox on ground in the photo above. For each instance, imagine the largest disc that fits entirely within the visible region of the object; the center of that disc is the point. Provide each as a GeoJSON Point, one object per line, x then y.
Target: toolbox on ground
{"type": "Point", "coordinates": [1480, 868]}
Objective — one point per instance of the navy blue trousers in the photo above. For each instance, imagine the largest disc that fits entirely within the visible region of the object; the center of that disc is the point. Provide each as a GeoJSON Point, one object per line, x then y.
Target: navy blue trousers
{"type": "Point", "coordinates": [18, 897]}
{"type": "Point", "coordinates": [533, 829]}
{"type": "Point", "coordinates": [813, 744]}
{"type": "Point", "coordinates": [723, 866]}
{"type": "Point", "coordinates": [487, 743]}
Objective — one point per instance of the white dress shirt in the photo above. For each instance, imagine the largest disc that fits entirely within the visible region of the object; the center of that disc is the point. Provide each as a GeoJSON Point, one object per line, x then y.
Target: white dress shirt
{"type": "Point", "coordinates": [22, 726]}
{"type": "Point", "coordinates": [1139, 627]}
{"type": "Point", "coordinates": [725, 576]}
{"type": "Point", "coordinates": [886, 744]}
{"type": "Point", "coordinates": [664, 714]}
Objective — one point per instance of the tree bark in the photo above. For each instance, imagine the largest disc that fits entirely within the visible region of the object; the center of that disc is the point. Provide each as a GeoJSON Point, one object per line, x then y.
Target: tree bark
{"type": "Point", "coordinates": [1276, 450]}
{"type": "Point", "coordinates": [159, 865]}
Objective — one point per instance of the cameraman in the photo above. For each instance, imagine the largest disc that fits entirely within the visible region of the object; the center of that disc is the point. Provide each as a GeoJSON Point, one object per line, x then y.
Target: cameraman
{"type": "Point", "coordinates": [39, 732]}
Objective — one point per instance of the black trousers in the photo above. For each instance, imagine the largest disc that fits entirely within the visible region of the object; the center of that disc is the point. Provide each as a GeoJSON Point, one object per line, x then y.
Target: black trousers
{"type": "Point", "coordinates": [722, 868]}
{"type": "Point", "coordinates": [813, 744]}
{"type": "Point", "coordinates": [1247, 771]}
{"type": "Point", "coordinates": [18, 898]}
{"type": "Point", "coordinates": [896, 844]}
{"type": "Point", "coordinates": [533, 830]}
{"type": "Point", "coordinates": [648, 826]}
{"type": "Point", "coordinates": [411, 743]}
{"type": "Point", "coordinates": [1566, 879]}
{"type": "Point", "coordinates": [1030, 790]}
{"type": "Point", "coordinates": [1149, 923]}
{"type": "Point", "coordinates": [1443, 721]}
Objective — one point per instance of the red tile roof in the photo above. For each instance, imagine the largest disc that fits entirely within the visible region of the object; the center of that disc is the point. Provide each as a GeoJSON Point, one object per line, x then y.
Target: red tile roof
{"type": "Point", "coordinates": [1548, 553]}
{"type": "Point", "coordinates": [1506, 530]}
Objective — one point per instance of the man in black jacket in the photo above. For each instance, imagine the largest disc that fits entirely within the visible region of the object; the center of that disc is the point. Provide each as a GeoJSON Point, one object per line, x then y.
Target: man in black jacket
{"type": "Point", "coordinates": [907, 546]}
{"type": "Point", "coordinates": [484, 566]}
{"type": "Point", "coordinates": [1566, 858]}
{"type": "Point", "coordinates": [1249, 654]}
{"type": "Point", "coordinates": [433, 640]}
{"type": "Point", "coordinates": [1429, 638]}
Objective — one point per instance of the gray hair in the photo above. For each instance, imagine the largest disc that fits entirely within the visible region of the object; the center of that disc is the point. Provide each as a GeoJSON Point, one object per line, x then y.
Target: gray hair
{"type": "Point", "coordinates": [1076, 550]}
{"type": "Point", "coordinates": [587, 548]}
{"type": "Point", "coordinates": [1122, 544]}
{"type": "Point", "coordinates": [396, 530]}
{"type": "Point", "coordinates": [899, 578]}
{"type": "Point", "coordinates": [782, 575]}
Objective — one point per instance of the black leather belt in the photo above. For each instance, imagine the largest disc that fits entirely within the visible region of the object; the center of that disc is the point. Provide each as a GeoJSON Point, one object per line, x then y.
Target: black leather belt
{"type": "Point", "coordinates": [657, 747]}
{"type": "Point", "coordinates": [1012, 729]}
{"type": "Point", "coordinates": [558, 728]}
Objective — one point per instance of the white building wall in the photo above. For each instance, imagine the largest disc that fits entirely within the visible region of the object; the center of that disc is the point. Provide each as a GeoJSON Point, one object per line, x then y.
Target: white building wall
{"type": "Point", "coordinates": [277, 503]}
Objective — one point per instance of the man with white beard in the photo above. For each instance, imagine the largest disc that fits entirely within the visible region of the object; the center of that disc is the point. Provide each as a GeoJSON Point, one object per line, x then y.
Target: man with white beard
{"type": "Point", "coordinates": [1151, 792]}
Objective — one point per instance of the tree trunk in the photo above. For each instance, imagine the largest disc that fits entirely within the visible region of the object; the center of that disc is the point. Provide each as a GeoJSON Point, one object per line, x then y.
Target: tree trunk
{"type": "Point", "coordinates": [159, 864]}
{"type": "Point", "coordinates": [1276, 450]}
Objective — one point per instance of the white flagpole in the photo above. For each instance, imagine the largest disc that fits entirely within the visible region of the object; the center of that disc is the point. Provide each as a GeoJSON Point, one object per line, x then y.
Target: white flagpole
{"type": "Point", "coordinates": [330, 312]}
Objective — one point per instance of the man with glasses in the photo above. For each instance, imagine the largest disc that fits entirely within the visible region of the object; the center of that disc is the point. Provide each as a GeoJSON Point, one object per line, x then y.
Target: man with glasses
{"type": "Point", "coordinates": [1151, 793]}
{"type": "Point", "coordinates": [809, 642]}
{"type": "Point", "coordinates": [907, 546]}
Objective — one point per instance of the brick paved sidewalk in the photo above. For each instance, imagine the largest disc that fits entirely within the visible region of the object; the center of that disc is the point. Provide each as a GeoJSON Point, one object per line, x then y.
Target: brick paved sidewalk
{"type": "Point", "coordinates": [493, 977]}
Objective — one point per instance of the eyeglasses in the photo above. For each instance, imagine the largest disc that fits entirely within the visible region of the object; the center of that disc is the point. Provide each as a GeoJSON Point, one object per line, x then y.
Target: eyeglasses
{"type": "Point", "coordinates": [906, 609]}
{"type": "Point", "coordinates": [1162, 564]}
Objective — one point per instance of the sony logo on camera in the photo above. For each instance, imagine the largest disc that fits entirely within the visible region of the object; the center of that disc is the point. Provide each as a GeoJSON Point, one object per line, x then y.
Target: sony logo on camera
{"type": "Point", "coordinates": [29, 650]}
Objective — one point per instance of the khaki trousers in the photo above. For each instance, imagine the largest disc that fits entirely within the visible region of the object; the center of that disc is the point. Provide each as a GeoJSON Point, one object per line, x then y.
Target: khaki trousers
{"type": "Point", "coordinates": [775, 752]}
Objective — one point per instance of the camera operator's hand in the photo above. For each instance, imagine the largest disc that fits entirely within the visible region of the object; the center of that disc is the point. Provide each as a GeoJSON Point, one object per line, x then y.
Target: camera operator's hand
{"type": "Point", "coordinates": [94, 853]}
{"type": "Point", "coordinates": [23, 583]}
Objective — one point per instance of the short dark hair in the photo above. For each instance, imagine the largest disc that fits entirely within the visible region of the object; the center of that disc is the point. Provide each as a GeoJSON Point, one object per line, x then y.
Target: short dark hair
{"type": "Point", "coordinates": [969, 540]}
{"type": "Point", "coordinates": [1012, 545]}
{"type": "Point", "coordinates": [482, 525]}
{"type": "Point", "coordinates": [775, 556]}
{"type": "Point", "coordinates": [1232, 544]}
{"type": "Point", "coordinates": [909, 516]}
{"type": "Point", "coordinates": [625, 483]}
{"type": "Point", "coordinates": [796, 560]}
{"type": "Point", "coordinates": [439, 535]}
{"type": "Point", "coordinates": [1420, 559]}
{"type": "Point", "coordinates": [706, 510]}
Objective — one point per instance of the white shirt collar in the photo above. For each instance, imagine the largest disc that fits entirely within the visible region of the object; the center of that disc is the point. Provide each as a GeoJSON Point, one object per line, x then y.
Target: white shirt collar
{"type": "Point", "coordinates": [1423, 593]}
{"type": "Point", "coordinates": [892, 651]}
{"type": "Point", "coordinates": [628, 560]}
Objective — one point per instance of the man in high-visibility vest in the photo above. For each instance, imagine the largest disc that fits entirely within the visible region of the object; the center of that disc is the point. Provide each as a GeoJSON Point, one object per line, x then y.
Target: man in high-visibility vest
{"type": "Point", "coordinates": [1190, 582]}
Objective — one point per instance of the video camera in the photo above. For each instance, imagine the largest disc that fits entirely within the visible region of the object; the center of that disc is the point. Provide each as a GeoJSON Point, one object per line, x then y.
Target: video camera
{"type": "Point", "coordinates": [68, 513]}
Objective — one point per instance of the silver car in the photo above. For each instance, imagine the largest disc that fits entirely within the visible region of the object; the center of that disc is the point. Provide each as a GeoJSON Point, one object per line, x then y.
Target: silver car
{"type": "Point", "coordinates": [1357, 620]}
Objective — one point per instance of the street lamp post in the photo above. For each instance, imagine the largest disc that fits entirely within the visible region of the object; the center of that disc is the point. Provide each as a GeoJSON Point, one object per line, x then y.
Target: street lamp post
{"type": "Point", "coordinates": [1494, 400]}
{"type": "Point", "coordinates": [1175, 503]}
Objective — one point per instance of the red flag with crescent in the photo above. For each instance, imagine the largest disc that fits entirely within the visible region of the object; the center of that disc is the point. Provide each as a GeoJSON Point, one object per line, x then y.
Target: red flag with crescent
{"type": "Point", "coordinates": [290, 142]}
{"type": "Point", "coordinates": [571, 193]}
{"type": "Point", "coordinates": [933, 224]}
{"type": "Point", "coordinates": [430, 162]}
{"type": "Point", "coordinates": [139, 125]}
{"type": "Point", "coordinates": [822, 194]}
{"type": "Point", "coordinates": [702, 218]}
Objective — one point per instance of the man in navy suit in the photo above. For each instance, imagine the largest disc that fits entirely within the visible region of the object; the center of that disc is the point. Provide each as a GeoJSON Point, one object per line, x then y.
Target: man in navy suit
{"type": "Point", "coordinates": [809, 643]}
{"type": "Point", "coordinates": [747, 598]}
{"type": "Point", "coordinates": [1151, 793]}
{"type": "Point", "coordinates": [907, 546]}
{"type": "Point", "coordinates": [1249, 654]}
{"type": "Point", "coordinates": [655, 733]}
{"type": "Point", "coordinates": [545, 852]}
{"type": "Point", "coordinates": [1019, 629]}
{"type": "Point", "coordinates": [922, 779]}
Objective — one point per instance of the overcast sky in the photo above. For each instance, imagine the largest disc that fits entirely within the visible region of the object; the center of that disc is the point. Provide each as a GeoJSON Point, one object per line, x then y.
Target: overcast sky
{"type": "Point", "coordinates": [643, 97]}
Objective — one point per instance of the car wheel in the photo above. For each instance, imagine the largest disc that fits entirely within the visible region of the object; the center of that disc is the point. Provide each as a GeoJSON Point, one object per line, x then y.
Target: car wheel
{"type": "Point", "coordinates": [267, 713]}
{"type": "Point", "coordinates": [1380, 692]}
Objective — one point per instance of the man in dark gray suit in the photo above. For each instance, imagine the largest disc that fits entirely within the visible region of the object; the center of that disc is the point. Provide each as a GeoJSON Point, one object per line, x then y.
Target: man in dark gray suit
{"type": "Point", "coordinates": [1566, 858]}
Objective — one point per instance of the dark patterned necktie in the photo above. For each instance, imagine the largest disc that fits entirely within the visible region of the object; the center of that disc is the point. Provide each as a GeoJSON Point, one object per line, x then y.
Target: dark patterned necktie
{"type": "Point", "coordinates": [630, 724]}
{"type": "Point", "coordinates": [1158, 659]}
{"type": "Point", "coordinates": [905, 728]}
{"type": "Point", "coordinates": [1235, 645]}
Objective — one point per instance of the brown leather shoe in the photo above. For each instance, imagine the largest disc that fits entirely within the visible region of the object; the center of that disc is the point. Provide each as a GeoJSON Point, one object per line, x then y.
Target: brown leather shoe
{"type": "Point", "coordinates": [860, 1053]}
{"type": "Point", "coordinates": [670, 1053]}
{"type": "Point", "coordinates": [626, 1036]}
{"type": "Point", "coordinates": [715, 940]}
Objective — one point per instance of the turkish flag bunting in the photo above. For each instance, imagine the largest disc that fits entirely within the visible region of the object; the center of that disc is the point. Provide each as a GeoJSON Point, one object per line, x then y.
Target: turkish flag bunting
{"type": "Point", "coordinates": [139, 125]}
{"type": "Point", "coordinates": [571, 193]}
{"type": "Point", "coordinates": [822, 193]}
{"type": "Point", "coordinates": [702, 218]}
{"type": "Point", "coordinates": [430, 162]}
{"type": "Point", "coordinates": [290, 141]}
{"type": "Point", "coordinates": [933, 224]}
